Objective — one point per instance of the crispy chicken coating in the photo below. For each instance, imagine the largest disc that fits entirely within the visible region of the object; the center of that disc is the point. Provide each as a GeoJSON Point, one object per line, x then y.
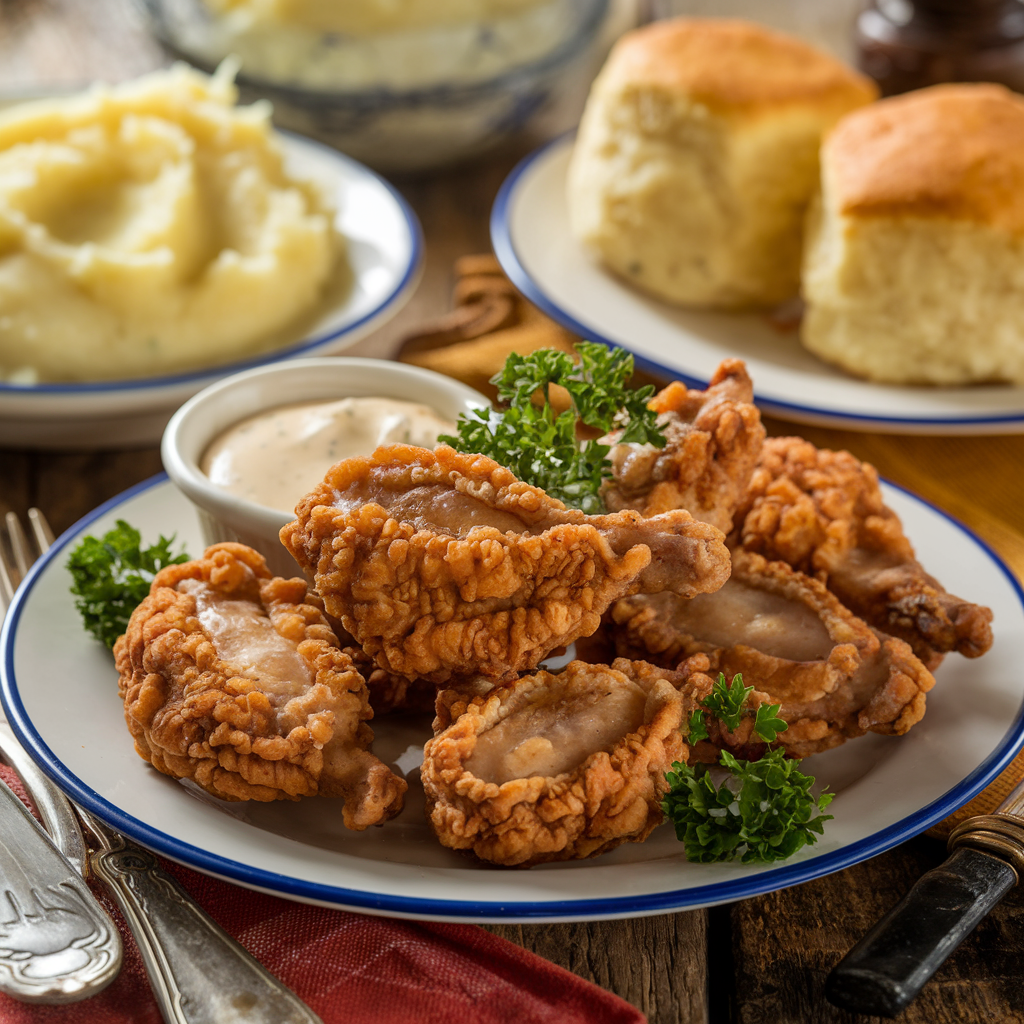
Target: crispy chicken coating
{"type": "Point", "coordinates": [554, 767]}
{"type": "Point", "coordinates": [443, 565]}
{"type": "Point", "coordinates": [713, 440]}
{"type": "Point", "coordinates": [791, 640]}
{"type": "Point", "coordinates": [234, 679]}
{"type": "Point", "coordinates": [822, 512]}
{"type": "Point", "coordinates": [386, 692]}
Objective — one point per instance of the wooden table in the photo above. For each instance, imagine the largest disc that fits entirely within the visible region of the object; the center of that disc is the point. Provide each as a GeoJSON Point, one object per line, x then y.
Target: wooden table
{"type": "Point", "coordinates": [762, 961]}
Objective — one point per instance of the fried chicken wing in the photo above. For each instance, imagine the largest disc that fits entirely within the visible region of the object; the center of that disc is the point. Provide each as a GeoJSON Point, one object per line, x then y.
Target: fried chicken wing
{"type": "Point", "coordinates": [234, 679]}
{"type": "Point", "coordinates": [554, 767]}
{"type": "Point", "coordinates": [713, 440]}
{"type": "Point", "coordinates": [442, 564]}
{"type": "Point", "coordinates": [822, 512]}
{"type": "Point", "coordinates": [791, 640]}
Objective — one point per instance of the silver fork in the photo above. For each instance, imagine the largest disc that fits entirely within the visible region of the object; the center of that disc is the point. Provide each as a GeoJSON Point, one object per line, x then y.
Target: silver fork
{"type": "Point", "coordinates": [197, 971]}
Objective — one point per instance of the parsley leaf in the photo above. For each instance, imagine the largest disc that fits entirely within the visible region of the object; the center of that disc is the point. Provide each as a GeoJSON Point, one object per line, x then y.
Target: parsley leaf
{"type": "Point", "coordinates": [767, 724]}
{"type": "Point", "coordinates": [764, 809]}
{"type": "Point", "coordinates": [726, 702]}
{"type": "Point", "coordinates": [698, 727]}
{"type": "Point", "coordinates": [112, 575]}
{"type": "Point", "coordinates": [543, 449]}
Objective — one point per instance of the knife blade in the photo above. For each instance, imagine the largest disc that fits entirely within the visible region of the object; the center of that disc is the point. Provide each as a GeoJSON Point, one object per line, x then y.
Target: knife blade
{"type": "Point", "coordinates": [886, 970]}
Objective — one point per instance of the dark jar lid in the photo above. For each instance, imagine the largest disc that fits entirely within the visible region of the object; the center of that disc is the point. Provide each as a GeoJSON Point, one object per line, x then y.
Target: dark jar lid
{"type": "Point", "coordinates": [909, 44]}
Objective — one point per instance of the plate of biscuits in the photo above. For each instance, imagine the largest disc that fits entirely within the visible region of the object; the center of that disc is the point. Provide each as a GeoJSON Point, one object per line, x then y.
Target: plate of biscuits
{"type": "Point", "coordinates": [731, 191]}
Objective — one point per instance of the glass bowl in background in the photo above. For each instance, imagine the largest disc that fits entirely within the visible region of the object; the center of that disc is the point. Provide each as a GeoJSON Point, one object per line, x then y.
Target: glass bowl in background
{"type": "Point", "coordinates": [409, 98]}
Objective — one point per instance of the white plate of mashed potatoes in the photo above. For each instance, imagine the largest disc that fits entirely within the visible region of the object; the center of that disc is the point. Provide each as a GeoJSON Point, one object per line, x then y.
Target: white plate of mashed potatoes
{"type": "Point", "coordinates": [157, 237]}
{"type": "Point", "coordinates": [532, 238]}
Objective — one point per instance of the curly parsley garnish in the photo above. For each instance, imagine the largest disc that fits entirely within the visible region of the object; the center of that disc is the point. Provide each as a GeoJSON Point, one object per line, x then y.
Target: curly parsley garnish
{"type": "Point", "coordinates": [764, 809]}
{"type": "Point", "coordinates": [543, 449]}
{"type": "Point", "coordinates": [727, 702]}
{"type": "Point", "coordinates": [112, 575]}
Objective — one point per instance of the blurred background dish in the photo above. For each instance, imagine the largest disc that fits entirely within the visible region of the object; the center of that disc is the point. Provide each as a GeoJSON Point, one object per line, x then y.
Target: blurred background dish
{"type": "Point", "coordinates": [828, 25]}
{"type": "Point", "coordinates": [384, 252]}
{"type": "Point", "coordinates": [411, 95]}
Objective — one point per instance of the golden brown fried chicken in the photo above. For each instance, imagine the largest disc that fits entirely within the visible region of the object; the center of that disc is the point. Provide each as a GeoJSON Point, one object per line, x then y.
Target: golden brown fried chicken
{"type": "Point", "coordinates": [822, 512]}
{"type": "Point", "coordinates": [554, 767]}
{"type": "Point", "coordinates": [713, 440]}
{"type": "Point", "coordinates": [442, 564]}
{"type": "Point", "coordinates": [234, 679]}
{"type": "Point", "coordinates": [386, 692]}
{"type": "Point", "coordinates": [791, 640]}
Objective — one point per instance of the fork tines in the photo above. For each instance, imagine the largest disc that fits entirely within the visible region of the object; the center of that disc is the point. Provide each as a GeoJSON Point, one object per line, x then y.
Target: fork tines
{"type": "Point", "coordinates": [17, 552]}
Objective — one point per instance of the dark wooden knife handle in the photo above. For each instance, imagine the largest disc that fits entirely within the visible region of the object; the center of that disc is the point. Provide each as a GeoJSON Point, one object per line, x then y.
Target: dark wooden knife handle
{"type": "Point", "coordinates": [892, 963]}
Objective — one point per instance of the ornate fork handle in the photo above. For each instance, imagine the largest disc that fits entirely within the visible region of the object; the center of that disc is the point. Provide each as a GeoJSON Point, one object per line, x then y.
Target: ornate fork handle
{"type": "Point", "coordinates": [56, 943]}
{"type": "Point", "coordinates": [198, 972]}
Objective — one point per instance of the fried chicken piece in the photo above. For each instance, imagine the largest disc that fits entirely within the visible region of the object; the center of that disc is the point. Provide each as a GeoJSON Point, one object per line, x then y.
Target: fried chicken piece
{"type": "Point", "coordinates": [442, 564]}
{"type": "Point", "coordinates": [791, 640]}
{"type": "Point", "coordinates": [386, 692]}
{"type": "Point", "coordinates": [713, 440]}
{"type": "Point", "coordinates": [554, 767]}
{"type": "Point", "coordinates": [822, 512]}
{"type": "Point", "coordinates": [234, 679]}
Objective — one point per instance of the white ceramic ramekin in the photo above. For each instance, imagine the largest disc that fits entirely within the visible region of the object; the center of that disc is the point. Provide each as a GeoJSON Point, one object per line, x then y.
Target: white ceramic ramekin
{"type": "Point", "coordinates": [226, 517]}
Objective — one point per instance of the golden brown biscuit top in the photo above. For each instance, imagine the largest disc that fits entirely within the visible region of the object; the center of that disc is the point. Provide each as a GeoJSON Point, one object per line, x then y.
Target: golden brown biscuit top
{"type": "Point", "coordinates": [734, 66]}
{"type": "Point", "coordinates": [947, 151]}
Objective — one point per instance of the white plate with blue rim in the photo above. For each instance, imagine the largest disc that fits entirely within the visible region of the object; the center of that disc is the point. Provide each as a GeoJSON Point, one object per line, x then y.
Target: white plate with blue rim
{"type": "Point", "coordinates": [382, 265]}
{"type": "Point", "coordinates": [531, 237]}
{"type": "Point", "coordinates": [59, 690]}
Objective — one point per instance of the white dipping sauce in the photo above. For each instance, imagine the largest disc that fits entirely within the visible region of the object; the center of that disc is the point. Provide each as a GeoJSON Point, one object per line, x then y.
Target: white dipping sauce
{"type": "Point", "coordinates": [277, 457]}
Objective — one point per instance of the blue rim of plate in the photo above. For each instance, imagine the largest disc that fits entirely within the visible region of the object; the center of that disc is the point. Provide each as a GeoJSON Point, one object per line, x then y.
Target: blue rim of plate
{"type": "Point", "coordinates": [307, 346]}
{"type": "Point", "coordinates": [504, 249]}
{"type": "Point", "coordinates": [768, 880]}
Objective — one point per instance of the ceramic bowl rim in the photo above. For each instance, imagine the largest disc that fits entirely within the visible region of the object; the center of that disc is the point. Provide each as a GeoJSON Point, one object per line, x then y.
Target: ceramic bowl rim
{"type": "Point", "coordinates": [180, 453]}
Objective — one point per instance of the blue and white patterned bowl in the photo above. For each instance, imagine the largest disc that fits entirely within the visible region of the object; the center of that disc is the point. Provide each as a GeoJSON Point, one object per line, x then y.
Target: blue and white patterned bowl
{"type": "Point", "coordinates": [426, 114]}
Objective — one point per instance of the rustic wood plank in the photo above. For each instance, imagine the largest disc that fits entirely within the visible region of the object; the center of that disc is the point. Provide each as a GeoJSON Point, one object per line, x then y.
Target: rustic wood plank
{"type": "Point", "coordinates": [656, 963]}
{"type": "Point", "coordinates": [453, 207]}
{"type": "Point", "coordinates": [15, 481]}
{"type": "Point", "coordinates": [70, 484]}
{"type": "Point", "coordinates": [785, 943]}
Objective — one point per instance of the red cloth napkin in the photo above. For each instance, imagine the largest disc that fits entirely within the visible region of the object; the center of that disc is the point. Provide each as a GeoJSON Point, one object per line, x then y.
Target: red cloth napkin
{"type": "Point", "coordinates": [354, 969]}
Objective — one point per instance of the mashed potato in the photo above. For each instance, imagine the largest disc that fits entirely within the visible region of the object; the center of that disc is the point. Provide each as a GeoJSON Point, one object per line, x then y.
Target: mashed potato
{"type": "Point", "coordinates": [324, 45]}
{"type": "Point", "coordinates": [371, 16]}
{"type": "Point", "coordinates": [151, 228]}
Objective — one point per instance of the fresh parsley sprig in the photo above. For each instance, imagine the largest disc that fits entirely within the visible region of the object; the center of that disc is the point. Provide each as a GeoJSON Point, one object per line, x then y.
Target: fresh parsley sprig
{"type": "Point", "coordinates": [763, 812]}
{"type": "Point", "coordinates": [112, 575]}
{"type": "Point", "coordinates": [544, 449]}
{"type": "Point", "coordinates": [727, 702]}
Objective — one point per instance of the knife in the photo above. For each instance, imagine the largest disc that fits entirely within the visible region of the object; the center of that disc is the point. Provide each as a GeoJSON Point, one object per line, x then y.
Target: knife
{"type": "Point", "coordinates": [198, 973]}
{"type": "Point", "coordinates": [884, 972]}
